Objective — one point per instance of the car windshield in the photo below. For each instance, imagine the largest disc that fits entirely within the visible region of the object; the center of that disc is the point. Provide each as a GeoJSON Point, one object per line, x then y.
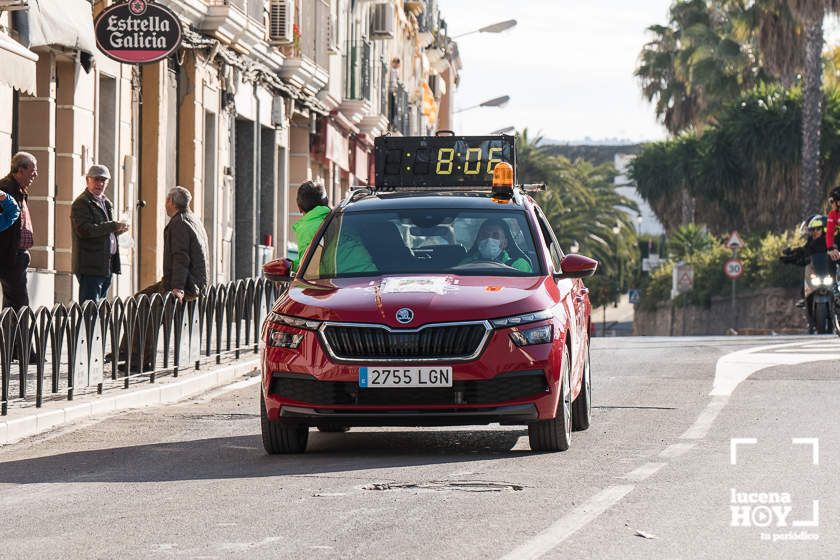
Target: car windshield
{"type": "Point", "coordinates": [444, 241]}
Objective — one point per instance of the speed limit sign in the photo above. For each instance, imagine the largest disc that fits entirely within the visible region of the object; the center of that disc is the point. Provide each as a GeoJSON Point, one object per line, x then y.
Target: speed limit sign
{"type": "Point", "coordinates": [733, 268]}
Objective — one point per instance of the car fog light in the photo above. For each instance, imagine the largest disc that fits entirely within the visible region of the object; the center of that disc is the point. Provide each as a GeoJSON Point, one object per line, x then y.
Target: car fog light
{"type": "Point", "coordinates": [282, 339]}
{"type": "Point", "coordinates": [537, 335]}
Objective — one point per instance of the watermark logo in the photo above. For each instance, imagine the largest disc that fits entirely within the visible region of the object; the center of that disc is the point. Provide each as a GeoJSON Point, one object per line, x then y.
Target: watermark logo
{"type": "Point", "coordinates": [784, 518]}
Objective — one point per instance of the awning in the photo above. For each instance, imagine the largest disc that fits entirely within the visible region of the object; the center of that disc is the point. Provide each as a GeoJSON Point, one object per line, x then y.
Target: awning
{"type": "Point", "coordinates": [64, 23]}
{"type": "Point", "coordinates": [17, 65]}
{"type": "Point", "coordinates": [337, 148]}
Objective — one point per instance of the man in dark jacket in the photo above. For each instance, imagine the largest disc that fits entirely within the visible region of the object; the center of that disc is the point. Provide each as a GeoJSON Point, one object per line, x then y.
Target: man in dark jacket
{"type": "Point", "coordinates": [185, 261]}
{"type": "Point", "coordinates": [95, 251]}
{"type": "Point", "coordinates": [16, 240]}
{"type": "Point", "coordinates": [185, 254]}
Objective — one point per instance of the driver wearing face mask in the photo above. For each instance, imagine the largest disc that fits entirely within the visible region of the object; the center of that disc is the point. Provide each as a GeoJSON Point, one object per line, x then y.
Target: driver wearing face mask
{"type": "Point", "coordinates": [492, 245]}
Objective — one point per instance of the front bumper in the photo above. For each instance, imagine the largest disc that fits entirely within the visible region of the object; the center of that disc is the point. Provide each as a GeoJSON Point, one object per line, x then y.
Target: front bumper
{"type": "Point", "coordinates": [515, 414]}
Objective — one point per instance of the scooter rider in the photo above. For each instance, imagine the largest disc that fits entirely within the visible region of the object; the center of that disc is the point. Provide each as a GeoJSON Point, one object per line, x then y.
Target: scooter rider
{"type": "Point", "coordinates": [801, 256]}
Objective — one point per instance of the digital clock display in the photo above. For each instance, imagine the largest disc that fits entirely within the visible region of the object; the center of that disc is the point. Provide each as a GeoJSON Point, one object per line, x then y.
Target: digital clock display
{"type": "Point", "coordinates": [439, 161]}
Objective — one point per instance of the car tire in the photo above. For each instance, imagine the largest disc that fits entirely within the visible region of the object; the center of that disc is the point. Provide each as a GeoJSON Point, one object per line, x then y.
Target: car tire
{"type": "Point", "coordinates": [279, 438]}
{"type": "Point", "coordinates": [333, 428]}
{"type": "Point", "coordinates": [555, 434]}
{"type": "Point", "coordinates": [582, 407]}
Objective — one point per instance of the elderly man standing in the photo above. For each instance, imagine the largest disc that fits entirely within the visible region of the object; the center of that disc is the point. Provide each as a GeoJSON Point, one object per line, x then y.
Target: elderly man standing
{"type": "Point", "coordinates": [16, 240]}
{"type": "Point", "coordinates": [95, 252]}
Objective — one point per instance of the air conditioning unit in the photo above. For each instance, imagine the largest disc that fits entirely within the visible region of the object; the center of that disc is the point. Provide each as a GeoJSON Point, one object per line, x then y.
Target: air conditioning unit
{"type": "Point", "coordinates": [281, 21]}
{"type": "Point", "coordinates": [12, 5]}
{"type": "Point", "coordinates": [382, 21]}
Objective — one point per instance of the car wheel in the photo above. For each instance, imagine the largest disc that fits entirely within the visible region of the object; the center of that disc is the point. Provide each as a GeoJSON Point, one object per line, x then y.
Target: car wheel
{"type": "Point", "coordinates": [555, 434]}
{"type": "Point", "coordinates": [333, 428]}
{"type": "Point", "coordinates": [582, 407]}
{"type": "Point", "coordinates": [282, 438]}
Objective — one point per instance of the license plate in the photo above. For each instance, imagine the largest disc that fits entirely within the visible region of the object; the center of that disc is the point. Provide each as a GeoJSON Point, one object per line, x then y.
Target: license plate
{"type": "Point", "coordinates": [405, 377]}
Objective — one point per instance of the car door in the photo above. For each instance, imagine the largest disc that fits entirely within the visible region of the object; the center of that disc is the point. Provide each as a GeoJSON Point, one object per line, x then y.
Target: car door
{"type": "Point", "coordinates": [577, 295]}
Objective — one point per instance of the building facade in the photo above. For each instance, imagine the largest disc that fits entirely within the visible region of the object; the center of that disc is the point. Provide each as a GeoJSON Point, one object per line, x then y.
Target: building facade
{"type": "Point", "coordinates": [261, 96]}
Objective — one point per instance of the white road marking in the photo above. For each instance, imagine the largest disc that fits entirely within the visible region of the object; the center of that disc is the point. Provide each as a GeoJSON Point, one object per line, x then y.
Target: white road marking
{"type": "Point", "coordinates": [734, 368]}
{"type": "Point", "coordinates": [576, 519]}
{"type": "Point", "coordinates": [704, 422]}
{"type": "Point", "coordinates": [522, 444]}
{"type": "Point", "coordinates": [676, 450]}
{"type": "Point", "coordinates": [643, 472]}
{"type": "Point", "coordinates": [730, 371]}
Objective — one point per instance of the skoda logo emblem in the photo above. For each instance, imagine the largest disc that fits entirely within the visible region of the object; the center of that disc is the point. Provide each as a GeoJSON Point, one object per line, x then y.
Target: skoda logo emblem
{"type": "Point", "coordinates": [405, 315]}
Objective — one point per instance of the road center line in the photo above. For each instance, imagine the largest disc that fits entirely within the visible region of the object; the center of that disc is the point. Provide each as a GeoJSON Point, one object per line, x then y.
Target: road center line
{"type": "Point", "coordinates": [576, 519]}
{"type": "Point", "coordinates": [645, 471]}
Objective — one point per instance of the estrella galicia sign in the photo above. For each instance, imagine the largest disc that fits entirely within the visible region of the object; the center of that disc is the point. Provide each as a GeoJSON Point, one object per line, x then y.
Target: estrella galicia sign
{"type": "Point", "coordinates": [137, 32]}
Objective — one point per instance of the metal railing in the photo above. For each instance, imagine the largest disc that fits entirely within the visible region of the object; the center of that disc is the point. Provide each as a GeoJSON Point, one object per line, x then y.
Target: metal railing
{"type": "Point", "coordinates": [56, 353]}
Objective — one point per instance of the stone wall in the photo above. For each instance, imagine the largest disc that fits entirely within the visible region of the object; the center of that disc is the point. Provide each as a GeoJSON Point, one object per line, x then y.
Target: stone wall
{"type": "Point", "coordinates": [762, 311]}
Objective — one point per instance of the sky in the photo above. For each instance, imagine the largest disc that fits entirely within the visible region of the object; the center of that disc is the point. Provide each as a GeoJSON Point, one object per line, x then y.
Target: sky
{"type": "Point", "coordinates": [567, 66]}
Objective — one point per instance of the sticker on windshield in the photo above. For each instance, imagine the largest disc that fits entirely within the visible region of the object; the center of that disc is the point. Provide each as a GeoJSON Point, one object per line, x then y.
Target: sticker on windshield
{"type": "Point", "coordinates": [434, 285]}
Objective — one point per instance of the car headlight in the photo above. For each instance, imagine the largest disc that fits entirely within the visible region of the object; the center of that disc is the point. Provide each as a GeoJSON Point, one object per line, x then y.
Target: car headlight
{"type": "Point", "coordinates": [827, 281]}
{"type": "Point", "coordinates": [522, 319]}
{"type": "Point", "coordinates": [290, 321]}
{"type": "Point", "coordinates": [536, 335]}
{"type": "Point", "coordinates": [278, 338]}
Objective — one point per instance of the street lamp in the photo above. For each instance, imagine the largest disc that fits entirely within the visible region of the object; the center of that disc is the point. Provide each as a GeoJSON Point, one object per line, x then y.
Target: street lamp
{"type": "Point", "coordinates": [504, 130]}
{"type": "Point", "coordinates": [495, 102]}
{"type": "Point", "coordinates": [494, 28]}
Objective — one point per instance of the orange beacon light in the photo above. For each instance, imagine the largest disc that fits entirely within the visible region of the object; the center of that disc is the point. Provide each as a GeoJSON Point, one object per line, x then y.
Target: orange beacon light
{"type": "Point", "coordinates": [502, 182]}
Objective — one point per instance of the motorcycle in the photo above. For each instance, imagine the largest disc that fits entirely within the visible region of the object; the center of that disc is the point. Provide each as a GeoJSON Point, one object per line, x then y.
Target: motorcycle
{"type": "Point", "coordinates": [821, 291]}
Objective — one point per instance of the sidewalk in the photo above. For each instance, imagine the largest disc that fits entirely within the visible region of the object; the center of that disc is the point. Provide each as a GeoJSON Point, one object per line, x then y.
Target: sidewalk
{"type": "Point", "coordinates": [619, 319]}
{"type": "Point", "coordinates": [25, 421]}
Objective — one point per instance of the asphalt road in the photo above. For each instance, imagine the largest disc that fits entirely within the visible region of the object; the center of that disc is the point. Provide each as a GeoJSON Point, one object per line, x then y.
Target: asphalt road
{"type": "Point", "coordinates": [652, 478]}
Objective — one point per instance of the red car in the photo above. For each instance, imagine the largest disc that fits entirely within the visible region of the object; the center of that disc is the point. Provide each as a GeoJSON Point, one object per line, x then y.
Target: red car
{"type": "Point", "coordinates": [431, 307]}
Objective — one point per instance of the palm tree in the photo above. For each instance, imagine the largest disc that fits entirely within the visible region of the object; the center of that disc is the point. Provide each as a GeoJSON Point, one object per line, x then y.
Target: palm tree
{"type": "Point", "coordinates": [791, 36]}
{"type": "Point", "coordinates": [811, 13]}
{"type": "Point", "coordinates": [695, 65]}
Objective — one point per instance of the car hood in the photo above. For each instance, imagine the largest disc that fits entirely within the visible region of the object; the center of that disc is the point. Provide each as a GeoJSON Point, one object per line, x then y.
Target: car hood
{"type": "Point", "coordinates": [432, 299]}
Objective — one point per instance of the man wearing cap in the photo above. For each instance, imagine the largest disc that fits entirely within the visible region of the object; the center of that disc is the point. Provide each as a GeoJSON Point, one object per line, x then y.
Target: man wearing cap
{"type": "Point", "coordinates": [95, 250]}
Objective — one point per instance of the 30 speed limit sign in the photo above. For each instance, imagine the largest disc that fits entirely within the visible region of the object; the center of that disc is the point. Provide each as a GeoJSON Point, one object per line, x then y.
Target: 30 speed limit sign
{"type": "Point", "coordinates": [733, 268]}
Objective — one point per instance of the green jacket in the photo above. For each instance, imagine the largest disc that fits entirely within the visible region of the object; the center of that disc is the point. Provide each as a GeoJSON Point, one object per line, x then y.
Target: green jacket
{"type": "Point", "coordinates": [346, 255]}
{"type": "Point", "coordinates": [306, 228]}
{"type": "Point", "coordinates": [504, 258]}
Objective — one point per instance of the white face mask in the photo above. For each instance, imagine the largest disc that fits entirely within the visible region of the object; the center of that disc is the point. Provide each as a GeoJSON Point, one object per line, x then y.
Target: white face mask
{"type": "Point", "coordinates": [489, 248]}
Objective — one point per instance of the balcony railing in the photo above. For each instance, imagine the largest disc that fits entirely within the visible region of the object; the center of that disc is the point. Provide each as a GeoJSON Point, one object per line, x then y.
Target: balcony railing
{"type": "Point", "coordinates": [358, 68]}
{"type": "Point", "coordinates": [255, 9]}
{"type": "Point", "coordinates": [95, 347]}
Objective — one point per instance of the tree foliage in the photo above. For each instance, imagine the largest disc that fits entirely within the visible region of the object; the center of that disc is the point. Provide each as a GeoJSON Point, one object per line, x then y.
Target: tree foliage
{"type": "Point", "coordinates": [585, 210]}
{"type": "Point", "coordinates": [744, 170]}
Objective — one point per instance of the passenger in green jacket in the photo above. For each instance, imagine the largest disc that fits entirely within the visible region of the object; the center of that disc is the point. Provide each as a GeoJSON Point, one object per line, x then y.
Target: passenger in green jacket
{"type": "Point", "coordinates": [313, 204]}
{"type": "Point", "coordinates": [495, 243]}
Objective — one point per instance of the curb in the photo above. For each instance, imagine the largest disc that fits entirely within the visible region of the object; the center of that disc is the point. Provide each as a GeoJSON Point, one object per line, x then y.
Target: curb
{"type": "Point", "coordinates": [14, 430]}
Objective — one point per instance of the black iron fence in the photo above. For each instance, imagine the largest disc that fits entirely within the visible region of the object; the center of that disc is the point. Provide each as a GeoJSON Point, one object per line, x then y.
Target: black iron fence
{"type": "Point", "coordinates": [54, 353]}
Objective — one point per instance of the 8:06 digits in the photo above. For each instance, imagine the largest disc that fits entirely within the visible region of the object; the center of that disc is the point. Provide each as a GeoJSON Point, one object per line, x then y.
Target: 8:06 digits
{"type": "Point", "coordinates": [472, 162]}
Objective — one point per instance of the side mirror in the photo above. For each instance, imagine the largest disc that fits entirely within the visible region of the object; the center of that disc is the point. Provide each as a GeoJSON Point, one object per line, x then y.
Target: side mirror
{"type": "Point", "coordinates": [278, 270]}
{"type": "Point", "coordinates": [576, 266]}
